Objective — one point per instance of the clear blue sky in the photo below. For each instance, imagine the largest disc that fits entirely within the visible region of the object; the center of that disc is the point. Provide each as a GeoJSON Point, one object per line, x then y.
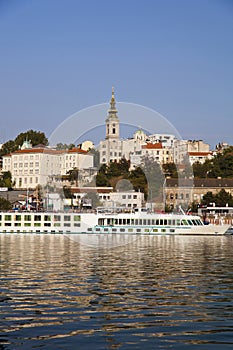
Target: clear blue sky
{"type": "Point", "coordinates": [174, 56]}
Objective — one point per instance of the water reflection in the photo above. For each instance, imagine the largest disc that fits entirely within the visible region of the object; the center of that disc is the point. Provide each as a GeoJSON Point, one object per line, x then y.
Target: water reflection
{"type": "Point", "coordinates": [157, 291]}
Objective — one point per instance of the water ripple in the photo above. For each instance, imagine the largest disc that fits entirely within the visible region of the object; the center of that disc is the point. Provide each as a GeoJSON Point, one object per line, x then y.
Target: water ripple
{"type": "Point", "coordinates": [165, 292]}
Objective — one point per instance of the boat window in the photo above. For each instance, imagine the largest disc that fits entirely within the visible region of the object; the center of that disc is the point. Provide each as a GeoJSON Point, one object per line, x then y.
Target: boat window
{"type": "Point", "coordinates": [136, 222]}
{"type": "Point", "coordinates": [67, 224]}
{"type": "Point", "coordinates": [161, 222]}
{"type": "Point", "coordinates": [17, 217]}
{"type": "Point", "coordinates": [199, 222]}
{"type": "Point", "coordinates": [138, 230]}
{"type": "Point", "coordinates": [144, 222]}
{"type": "Point", "coordinates": [169, 222]}
{"type": "Point", "coordinates": [124, 221]}
{"type": "Point", "coordinates": [157, 222]}
{"type": "Point", "coordinates": [165, 222]}
{"type": "Point", "coordinates": [140, 221]}
{"type": "Point", "coordinates": [66, 217]}
{"type": "Point", "coordinates": [97, 229]}
{"type": "Point", "coordinates": [47, 218]}
{"type": "Point", "coordinates": [184, 222]}
{"type": "Point", "coordinates": [132, 221]}
{"type": "Point", "coordinates": [173, 222]}
{"type": "Point", "coordinates": [37, 224]}
{"type": "Point", "coordinates": [48, 224]}
{"type": "Point", "coordinates": [178, 222]}
{"type": "Point", "coordinates": [116, 222]}
{"type": "Point", "coordinates": [17, 223]}
{"type": "Point", "coordinates": [89, 229]}
{"type": "Point", "coordinates": [146, 230]}
{"type": "Point", "coordinates": [120, 221]}
{"type": "Point", "coordinates": [57, 217]}
{"type": "Point", "coordinates": [152, 221]}
{"type": "Point", "coordinates": [130, 230]}
{"type": "Point", "coordinates": [194, 222]}
{"type": "Point", "coordinates": [155, 230]}
{"type": "Point", "coordinates": [27, 218]}
{"type": "Point", "coordinates": [105, 229]}
{"type": "Point", "coordinates": [27, 224]}
{"type": "Point", "coordinates": [7, 223]}
{"type": "Point", "coordinates": [163, 230]}
{"type": "Point", "coordinates": [148, 222]}
{"type": "Point", "coordinates": [56, 224]}
{"type": "Point", "coordinates": [128, 221]}
{"type": "Point", "coordinates": [37, 217]}
{"type": "Point", "coordinates": [8, 217]}
{"type": "Point", "coordinates": [172, 230]}
{"type": "Point", "coordinates": [0, 217]}
{"type": "Point", "coordinates": [77, 218]}
{"type": "Point", "coordinates": [77, 224]}
{"type": "Point", "coordinates": [114, 230]}
{"type": "Point", "coordinates": [122, 230]}
{"type": "Point", "coordinates": [190, 222]}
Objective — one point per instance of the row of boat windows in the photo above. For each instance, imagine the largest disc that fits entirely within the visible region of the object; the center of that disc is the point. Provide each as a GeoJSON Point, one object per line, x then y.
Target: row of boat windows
{"type": "Point", "coordinates": [46, 218]}
{"type": "Point", "coordinates": [38, 224]}
{"type": "Point", "coordinates": [131, 230]}
{"type": "Point", "coordinates": [150, 222]}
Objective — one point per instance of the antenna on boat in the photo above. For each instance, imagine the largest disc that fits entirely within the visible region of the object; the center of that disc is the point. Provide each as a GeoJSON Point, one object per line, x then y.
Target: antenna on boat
{"type": "Point", "coordinates": [181, 209]}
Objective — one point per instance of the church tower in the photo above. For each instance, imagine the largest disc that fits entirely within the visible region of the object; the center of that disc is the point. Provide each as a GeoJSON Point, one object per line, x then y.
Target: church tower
{"type": "Point", "coordinates": [112, 121]}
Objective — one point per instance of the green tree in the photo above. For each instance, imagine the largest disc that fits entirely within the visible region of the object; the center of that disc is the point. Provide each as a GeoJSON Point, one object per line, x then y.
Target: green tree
{"type": "Point", "coordinates": [223, 198]}
{"type": "Point", "coordinates": [6, 179]}
{"type": "Point", "coordinates": [139, 181]}
{"type": "Point", "coordinates": [169, 169]}
{"type": "Point", "coordinates": [208, 198]}
{"type": "Point", "coordinates": [8, 147]}
{"type": "Point", "coordinates": [5, 204]}
{"type": "Point", "coordinates": [102, 180]}
{"type": "Point", "coordinates": [73, 176]}
{"type": "Point", "coordinates": [36, 138]}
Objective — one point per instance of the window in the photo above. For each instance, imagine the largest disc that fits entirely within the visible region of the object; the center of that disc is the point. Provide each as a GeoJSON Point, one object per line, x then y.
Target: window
{"type": "Point", "coordinates": [66, 217]}
{"type": "Point", "coordinates": [27, 218]}
{"type": "Point", "coordinates": [8, 217]}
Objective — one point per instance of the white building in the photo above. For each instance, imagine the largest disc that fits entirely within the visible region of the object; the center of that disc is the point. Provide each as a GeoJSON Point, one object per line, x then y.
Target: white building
{"type": "Point", "coordinates": [33, 166]}
{"type": "Point", "coordinates": [127, 199]}
{"type": "Point", "coordinates": [192, 150]}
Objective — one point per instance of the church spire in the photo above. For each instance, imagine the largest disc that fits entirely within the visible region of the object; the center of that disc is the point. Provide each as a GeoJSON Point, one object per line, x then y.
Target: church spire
{"type": "Point", "coordinates": [112, 112]}
{"type": "Point", "coordinates": [112, 120]}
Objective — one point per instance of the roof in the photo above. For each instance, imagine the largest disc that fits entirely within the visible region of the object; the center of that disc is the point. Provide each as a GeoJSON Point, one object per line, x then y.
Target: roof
{"type": "Point", "coordinates": [48, 151]}
{"type": "Point", "coordinates": [205, 182]}
{"type": "Point", "coordinates": [150, 145]}
{"type": "Point", "coordinates": [198, 154]}
{"type": "Point", "coordinates": [91, 189]}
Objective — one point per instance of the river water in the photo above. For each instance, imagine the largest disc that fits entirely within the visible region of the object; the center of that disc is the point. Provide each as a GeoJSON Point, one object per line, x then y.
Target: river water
{"type": "Point", "coordinates": [152, 293]}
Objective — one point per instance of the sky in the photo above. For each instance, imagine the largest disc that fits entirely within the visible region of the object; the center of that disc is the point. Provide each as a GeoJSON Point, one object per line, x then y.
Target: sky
{"type": "Point", "coordinates": [58, 57]}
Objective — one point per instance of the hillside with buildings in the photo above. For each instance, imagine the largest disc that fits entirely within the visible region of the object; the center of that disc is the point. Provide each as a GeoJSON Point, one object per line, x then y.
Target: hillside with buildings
{"type": "Point", "coordinates": [163, 169]}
